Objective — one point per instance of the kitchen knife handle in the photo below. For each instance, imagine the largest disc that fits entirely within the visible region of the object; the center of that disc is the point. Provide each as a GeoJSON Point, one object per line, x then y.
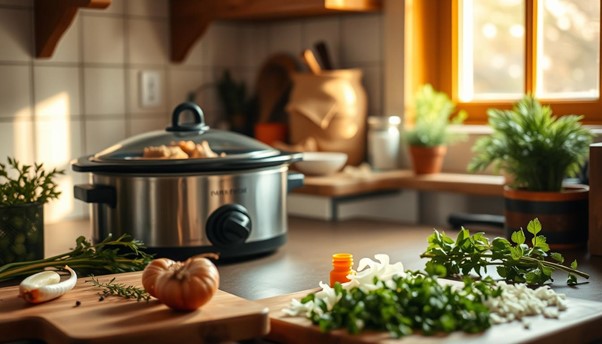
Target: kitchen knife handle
{"type": "Point", "coordinates": [102, 194]}
{"type": "Point", "coordinates": [322, 50]}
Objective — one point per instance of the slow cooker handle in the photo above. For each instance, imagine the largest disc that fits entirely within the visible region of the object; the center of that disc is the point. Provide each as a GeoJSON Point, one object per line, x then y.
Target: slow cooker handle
{"type": "Point", "coordinates": [199, 118]}
{"type": "Point", "coordinates": [102, 194]}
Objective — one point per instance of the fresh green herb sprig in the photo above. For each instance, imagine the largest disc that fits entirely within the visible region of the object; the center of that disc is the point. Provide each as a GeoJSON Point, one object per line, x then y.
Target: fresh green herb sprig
{"type": "Point", "coordinates": [109, 256]}
{"type": "Point", "coordinates": [515, 261]}
{"type": "Point", "coordinates": [120, 289]}
{"type": "Point", "coordinates": [416, 302]}
{"type": "Point", "coordinates": [32, 184]}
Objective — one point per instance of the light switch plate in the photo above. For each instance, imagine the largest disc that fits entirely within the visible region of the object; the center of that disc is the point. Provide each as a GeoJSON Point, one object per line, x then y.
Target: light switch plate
{"type": "Point", "coordinates": [150, 88]}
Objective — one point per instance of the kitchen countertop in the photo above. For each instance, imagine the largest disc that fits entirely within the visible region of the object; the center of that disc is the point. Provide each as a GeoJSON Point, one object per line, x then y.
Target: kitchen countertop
{"type": "Point", "coordinates": [306, 258]}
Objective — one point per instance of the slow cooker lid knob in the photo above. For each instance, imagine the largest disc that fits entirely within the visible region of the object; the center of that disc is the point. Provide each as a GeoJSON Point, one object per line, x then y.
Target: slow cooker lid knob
{"type": "Point", "coordinates": [229, 226]}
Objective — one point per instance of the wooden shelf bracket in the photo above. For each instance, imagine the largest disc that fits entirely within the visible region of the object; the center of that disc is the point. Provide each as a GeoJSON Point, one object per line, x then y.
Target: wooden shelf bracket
{"type": "Point", "coordinates": [53, 17]}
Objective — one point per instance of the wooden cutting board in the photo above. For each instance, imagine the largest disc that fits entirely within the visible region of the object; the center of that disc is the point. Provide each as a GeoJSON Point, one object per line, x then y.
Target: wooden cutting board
{"type": "Point", "coordinates": [117, 320]}
{"type": "Point", "coordinates": [580, 323]}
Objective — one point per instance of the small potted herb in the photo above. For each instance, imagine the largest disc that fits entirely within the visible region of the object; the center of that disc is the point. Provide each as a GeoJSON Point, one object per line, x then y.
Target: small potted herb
{"type": "Point", "coordinates": [24, 189]}
{"type": "Point", "coordinates": [537, 151]}
{"type": "Point", "coordinates": [430, 135]}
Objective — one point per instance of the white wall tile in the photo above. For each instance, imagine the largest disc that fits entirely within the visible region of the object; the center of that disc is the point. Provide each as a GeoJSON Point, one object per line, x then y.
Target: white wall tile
{"type": "Point", "coordinates": [116, 7]}
{"type": "Point", "coordinates": [254, 45]}
{"type": "Point", "coordinates": [103, 133]}
{"type": "Point", "coordinates": [58, 141]}
{"type": "Point", "coordinates": [56, 91]}
{"type": "Point", "coordinates": [361, 39]}
{"type": "Point", "coordinates": [16, 34]}
{"type": "Point", "coordinates": [372, 80]}
{"type": "Point", "coordinates": [17, 141]}
{"type": "Point", "coordinates": [103, 39]}
{"type": "Point", "coordinates": [220, 54]}
{"type": "Point", "coordinates": [104, 91]}
{"type": "Point", "coordinates": [285, 37]}
{"type": "Point", "coordinates": [182, 81]}
{"type": "Point", "coordinates": [134, 96]}
{"type": "Point", "coordinates": [148, 8]}
{"type": "Point", "coordinates": [140, 125]}
{"type": "Point", "coordinates": [15, 91]}
{"type": "Point", "coordinates": [148, 43]}
{"type": "Point", "coordinates": [326, 30]}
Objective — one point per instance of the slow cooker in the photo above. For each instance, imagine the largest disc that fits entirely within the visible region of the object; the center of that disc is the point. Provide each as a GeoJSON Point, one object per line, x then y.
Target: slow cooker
{"type": "Point", "coordinates": [232, 203]}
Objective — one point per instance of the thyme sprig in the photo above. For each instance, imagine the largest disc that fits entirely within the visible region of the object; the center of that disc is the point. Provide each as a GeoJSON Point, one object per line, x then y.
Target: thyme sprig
{"type": "Point", "coordinates": [515, 260]}
{"type": "Point", "coordinates": [27, 183]}
{"type": "Point", "coordinates": [119, 289]}
{"type": "Point", "coordinates": [106, 257]}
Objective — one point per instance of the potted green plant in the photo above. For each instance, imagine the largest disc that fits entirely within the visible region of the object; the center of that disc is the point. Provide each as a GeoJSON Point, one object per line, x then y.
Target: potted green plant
{"type": "Point", "coordinates": [430, 134]}
{"type": "Point", "coordinates": [537, 151]}
{"type": "Point", "coordinates": [24, 189]}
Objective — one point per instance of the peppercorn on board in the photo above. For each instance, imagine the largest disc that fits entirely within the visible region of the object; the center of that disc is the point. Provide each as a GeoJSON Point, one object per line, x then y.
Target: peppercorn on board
{"type": "Point", "coordinates": [580, 323]}
{"type": "Point", "coordinates": [82, 316]}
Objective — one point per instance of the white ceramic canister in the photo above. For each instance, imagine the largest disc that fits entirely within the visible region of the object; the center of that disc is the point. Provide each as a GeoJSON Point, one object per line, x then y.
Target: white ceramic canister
{"type": "Point", "coordinates": [384, 135]}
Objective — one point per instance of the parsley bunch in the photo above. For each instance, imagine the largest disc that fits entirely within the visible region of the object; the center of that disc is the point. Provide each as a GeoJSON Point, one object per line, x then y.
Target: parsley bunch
{"type": "Point", "coordinates": [32, 184]}
{"type": "Point", "coordinates": [415, 302]}
{"type": "Point", "coordinates": [515, 260]}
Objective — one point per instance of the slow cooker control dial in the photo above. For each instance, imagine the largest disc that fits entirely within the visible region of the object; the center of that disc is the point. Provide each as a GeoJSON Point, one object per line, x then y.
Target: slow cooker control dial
{"type": "Point", "coordinates": [229, 226]}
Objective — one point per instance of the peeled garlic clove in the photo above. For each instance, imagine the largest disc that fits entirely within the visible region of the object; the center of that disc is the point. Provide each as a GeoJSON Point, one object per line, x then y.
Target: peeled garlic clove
{"type": "Point", "coordinates": [46, 286]}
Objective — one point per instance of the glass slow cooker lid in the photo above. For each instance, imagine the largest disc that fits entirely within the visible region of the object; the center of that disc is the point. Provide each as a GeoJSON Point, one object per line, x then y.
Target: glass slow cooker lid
{"type": "Point", "coordinates": [190, 141]}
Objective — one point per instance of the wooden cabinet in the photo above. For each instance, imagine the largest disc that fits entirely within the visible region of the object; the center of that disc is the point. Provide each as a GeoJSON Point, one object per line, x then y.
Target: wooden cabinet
{"type": "Point", "coordinates": [189, 19]}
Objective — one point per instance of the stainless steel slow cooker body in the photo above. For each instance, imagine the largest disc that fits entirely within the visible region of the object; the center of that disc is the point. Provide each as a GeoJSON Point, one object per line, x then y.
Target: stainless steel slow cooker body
{"type": "Point", "coordinates": [234, 205]}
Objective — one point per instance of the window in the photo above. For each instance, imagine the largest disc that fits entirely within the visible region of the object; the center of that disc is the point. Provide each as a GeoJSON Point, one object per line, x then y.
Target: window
{"type": "Point", "coordinates": [488, 53]}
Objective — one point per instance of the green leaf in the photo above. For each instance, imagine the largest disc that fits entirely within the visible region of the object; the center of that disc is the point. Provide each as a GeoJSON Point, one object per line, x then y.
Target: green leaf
{"type": "Point", "coordinates": [462, 235]}
{"type": "Point", "coordinates": [516, 252]}
{"type": "Point", "coordinates": [500, 244]}
{"type": "Point", "coordinates": [434, 269]}
{"type": "Point", "coordinates": [557, 257]}
{"type": "Point", "coordinates": [574, 265]}
{"type": "Point", "coordinates": [534, 226]}
{"type": "Point", "coordinates": [518, 237]}
{"type": "Point", "coordinates": [540, 242]}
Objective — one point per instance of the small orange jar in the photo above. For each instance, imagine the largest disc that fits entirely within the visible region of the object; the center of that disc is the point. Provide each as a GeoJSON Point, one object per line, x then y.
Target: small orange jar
{"type": "Point", "coordinates": [342, 264]}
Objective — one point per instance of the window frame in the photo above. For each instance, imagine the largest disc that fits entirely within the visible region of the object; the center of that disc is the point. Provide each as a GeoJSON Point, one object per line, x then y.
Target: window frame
{"type": "Point", "coordinates": [431, 40]}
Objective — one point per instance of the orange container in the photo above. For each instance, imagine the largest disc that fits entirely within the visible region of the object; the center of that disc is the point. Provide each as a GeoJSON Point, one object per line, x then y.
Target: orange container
{"type": "Point", "coordinates": [342, 264]}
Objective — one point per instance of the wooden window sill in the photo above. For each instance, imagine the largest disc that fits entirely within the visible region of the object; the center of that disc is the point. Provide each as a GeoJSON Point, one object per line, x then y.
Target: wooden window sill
{"type": "Point", "coordinates": [340, 185]}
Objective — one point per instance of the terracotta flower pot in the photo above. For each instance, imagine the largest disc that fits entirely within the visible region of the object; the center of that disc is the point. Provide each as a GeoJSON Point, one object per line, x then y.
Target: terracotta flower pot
{"type": "Point", "coordinates": [563, 215]}
{"type": "Point", "coordinates": [427, 160]}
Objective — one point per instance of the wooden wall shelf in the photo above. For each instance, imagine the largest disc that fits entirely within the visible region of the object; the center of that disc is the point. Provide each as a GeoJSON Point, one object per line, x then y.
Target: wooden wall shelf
{"type": "Point", "coordinates": [53, 17]}
{"type": "Point", "coordinates": [191, 18]}
{"type": "Point", "coordinates": [340, 185]}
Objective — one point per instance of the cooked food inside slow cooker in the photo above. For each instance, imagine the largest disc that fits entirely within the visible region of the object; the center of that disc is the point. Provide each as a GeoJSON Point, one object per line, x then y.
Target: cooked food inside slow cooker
{"type": "Point", "coordinates": [181, 150]}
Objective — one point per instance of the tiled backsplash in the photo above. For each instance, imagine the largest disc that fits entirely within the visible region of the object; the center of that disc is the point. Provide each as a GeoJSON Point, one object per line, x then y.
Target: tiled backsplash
{"type": "Point", "coordinates": [85, 97]}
